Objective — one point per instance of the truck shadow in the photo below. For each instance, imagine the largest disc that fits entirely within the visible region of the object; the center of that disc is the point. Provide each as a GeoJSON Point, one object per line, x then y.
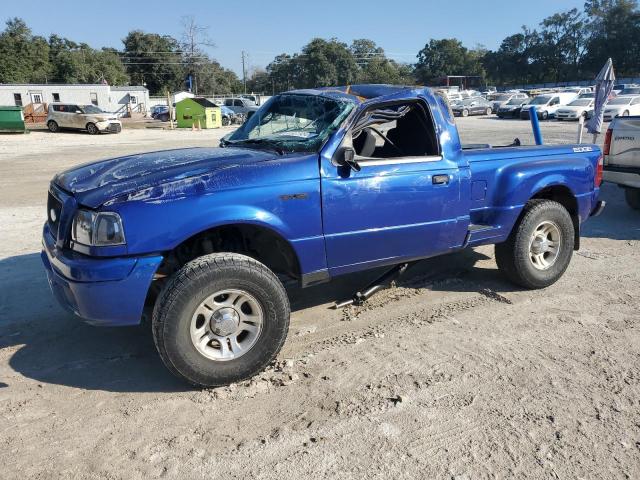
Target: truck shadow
{"type": "Point", "coordinates": [50, 345]}
{"type": "Point", "coordinates": [618, 220]}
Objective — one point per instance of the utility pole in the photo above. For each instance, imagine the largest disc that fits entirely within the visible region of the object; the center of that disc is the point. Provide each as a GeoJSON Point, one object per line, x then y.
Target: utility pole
{"type": "Point", "coordinates": [244, 72]}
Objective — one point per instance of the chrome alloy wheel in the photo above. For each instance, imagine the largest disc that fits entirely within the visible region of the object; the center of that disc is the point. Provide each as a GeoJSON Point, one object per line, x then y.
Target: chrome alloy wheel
{"type": "Point", "coordinates": [544, 246]}
{"type": "Point", "coordinates": [226, 325]}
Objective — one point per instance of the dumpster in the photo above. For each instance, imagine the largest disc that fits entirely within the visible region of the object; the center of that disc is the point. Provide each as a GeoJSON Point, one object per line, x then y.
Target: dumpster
{"type": "Point", "coordinates": [198, 112]}
{"type": "Point", "coordinates": [11, 119]}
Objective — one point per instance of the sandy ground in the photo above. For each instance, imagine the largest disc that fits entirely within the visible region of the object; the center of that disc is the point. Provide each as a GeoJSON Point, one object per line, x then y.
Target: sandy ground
{"type": "Point", "coordinates": [454, 373]}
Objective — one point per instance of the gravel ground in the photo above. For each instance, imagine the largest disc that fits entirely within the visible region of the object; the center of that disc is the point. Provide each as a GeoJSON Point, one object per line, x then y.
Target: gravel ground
{"type": "Point", "coordinates": [453, 373]}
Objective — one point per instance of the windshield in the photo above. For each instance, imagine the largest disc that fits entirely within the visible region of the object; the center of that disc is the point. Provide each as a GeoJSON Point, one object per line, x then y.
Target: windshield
{"type": "Point", "coordinates": [621, 101]}
{"type": "Point", "coordinates": [293, 122]}
{"type": "Point", "coordinates": [540, 100]}
{"type": "Point", "coordinates": [583, 102]}
{"type": "Point", "coordinates": [91, 109]}
{"type": "Point", "coordinates": [630, 91]}
{"type": "Point", "coordinates": [516, 101]}
{"type": "Point", "coordinates": [502, 98]}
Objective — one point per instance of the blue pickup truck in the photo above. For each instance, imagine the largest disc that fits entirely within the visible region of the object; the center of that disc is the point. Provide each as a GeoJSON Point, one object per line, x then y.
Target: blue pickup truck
{"type": "Point", "coordinates": [317, 183]}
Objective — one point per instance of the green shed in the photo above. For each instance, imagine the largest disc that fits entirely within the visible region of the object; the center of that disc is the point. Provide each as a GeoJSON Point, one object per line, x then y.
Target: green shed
{"type": "Point", "coordinates": [193, 111]}
{"type": "Point", "coordinates": [11, 119]}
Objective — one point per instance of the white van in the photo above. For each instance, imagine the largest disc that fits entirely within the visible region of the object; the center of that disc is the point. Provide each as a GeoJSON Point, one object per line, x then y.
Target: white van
{"type": "Point", "coordinates": [548, 104]}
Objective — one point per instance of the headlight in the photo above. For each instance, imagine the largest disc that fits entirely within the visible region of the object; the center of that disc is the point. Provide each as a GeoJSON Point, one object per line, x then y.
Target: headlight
{"type": "Point", "coordinates": [97, 228]}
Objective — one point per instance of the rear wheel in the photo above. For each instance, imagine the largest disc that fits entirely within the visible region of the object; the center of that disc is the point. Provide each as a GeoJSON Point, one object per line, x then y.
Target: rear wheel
{"type": "Point", "coordinates": [540, 247]}
{"type": "Point", "coordinates": [92, 129]}
{"type": "Point", "coordinates": [545, 115]}
{"type": "Point", "coordinates": [632, 196]}
{"type": "Point", "coordinates": [465, 113]}
{"type": "Point", "coordinates": [52, 125]}
{"type": "Point", "coordinates": [489, 111]}
{"type": "Point", "coordinates": [222, 318]}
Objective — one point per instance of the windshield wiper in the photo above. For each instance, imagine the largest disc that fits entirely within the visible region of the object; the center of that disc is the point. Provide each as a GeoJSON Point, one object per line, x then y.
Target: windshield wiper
{"type": "Point", "coordinates": [255, 141]}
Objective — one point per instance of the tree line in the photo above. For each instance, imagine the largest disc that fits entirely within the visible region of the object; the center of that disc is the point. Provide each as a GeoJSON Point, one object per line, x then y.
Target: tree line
{"type": "Point", "coordinates": [160, 62]}
{"type": "Point", "coordinates": [567, 46]}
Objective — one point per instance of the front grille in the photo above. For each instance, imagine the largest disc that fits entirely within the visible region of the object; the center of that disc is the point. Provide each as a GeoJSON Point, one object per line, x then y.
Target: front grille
{"type": "Point", "coordinates": [54, 211]}
{"type": "Point", "coordinates": [114, 128]}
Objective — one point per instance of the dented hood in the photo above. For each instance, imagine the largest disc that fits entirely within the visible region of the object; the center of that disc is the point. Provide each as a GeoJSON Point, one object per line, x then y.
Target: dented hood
{"type": "Point", "coordinates": [96, 183]}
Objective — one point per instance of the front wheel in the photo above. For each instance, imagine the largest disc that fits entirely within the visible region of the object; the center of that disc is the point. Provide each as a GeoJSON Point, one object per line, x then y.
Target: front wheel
{"type": "Point", "coordinates": [540, 246]}
{"type": "Point", "coordinates": [465, 113]}
{"type": "Point", "coordinates": [222, 318]}
{"type": "Point", "coordinates": [489, 111]}
{"type": "Point", "coordinates": [632, 196]}
{"type": "Point", "coordinates": [545, 115]}
{"type": "Point", "coordinates": [92, 129]}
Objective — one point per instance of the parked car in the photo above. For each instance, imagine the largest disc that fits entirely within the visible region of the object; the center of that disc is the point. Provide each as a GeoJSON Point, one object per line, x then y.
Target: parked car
{"type": "Point", "coordinates": [229, 117]}
{"type": "Point", "coordinates": [454, 97]}
{"type": "Point", "coordinates": [158, 109]}
{"type": "Point", "coordinates": [305, 191]}
{"type": "Point", "coordinates": [622, 157]}
{"type": "Point", "coordinates": [503, 98]}
{"type": "Point", "coordinates": [630, 91]}
{"type": "Point", "coordinates": [81, 117]}
{"type": "Point", "coordinates": [240, 105]}
{"type": "Point", "coordinates": [578, 90]}
{"type": "Point", "coordinates": [547, 105]}
{"type": "Point", "coordinates": [623, 86]}
{"type": "Point", "coordinates": [580, 107]}
{"type": "Point", "coordinates": [512, 108]}
{"type": "Point", "coordinates": [471, 106]}
{"type": "Point", "coordinates": [160, 112]}
{"type": "Point", "coordinates": [622, 107]}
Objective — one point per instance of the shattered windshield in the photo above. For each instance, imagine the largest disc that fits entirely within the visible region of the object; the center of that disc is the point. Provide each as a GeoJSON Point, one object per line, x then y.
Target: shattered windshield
{"type": "Point", "coordinates": [293, 122]}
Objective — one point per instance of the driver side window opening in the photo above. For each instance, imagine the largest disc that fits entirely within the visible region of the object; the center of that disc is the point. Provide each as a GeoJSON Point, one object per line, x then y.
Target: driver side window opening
{"type": "Point", "coordinates": [394, 132]}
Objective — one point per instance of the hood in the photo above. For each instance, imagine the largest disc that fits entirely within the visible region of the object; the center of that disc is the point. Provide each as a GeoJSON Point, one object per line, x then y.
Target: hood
{"type": "Point", "coordinates": [95, 183]}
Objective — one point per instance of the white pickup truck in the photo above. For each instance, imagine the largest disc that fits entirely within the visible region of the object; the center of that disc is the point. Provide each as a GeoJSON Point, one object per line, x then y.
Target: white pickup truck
{"type": "Point", "coordinates": [622, 157]}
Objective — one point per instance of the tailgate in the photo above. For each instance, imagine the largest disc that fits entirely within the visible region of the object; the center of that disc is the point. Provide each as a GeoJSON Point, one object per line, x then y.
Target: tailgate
{"type": "Point", "coordinates": [625, 143]}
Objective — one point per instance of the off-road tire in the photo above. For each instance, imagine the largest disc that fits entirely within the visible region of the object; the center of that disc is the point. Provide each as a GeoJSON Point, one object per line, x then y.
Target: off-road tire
{"type": "Point", "coordinates": [513, 256]}
{"type": "Point", "coordinates": [188, 287]}
{"type": "Point", "coordinates": [632, 196]}
{"type": "Point", "coordinates": [92, 129]}
{"type": "Point", "coordinates": [53, 127]}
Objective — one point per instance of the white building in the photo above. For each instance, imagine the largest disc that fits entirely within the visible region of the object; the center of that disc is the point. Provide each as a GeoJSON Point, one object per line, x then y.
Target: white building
{"type": "Point", "coordinates": [110, 98]}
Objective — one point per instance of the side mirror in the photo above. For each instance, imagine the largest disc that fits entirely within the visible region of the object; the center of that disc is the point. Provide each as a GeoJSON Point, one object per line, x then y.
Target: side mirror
{"type": "Point", "coordinates": [346, 157]}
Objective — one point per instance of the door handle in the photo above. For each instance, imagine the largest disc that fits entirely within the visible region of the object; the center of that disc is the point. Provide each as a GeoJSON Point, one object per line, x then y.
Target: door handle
{"type": "Point", "coordinates": [440, 179]}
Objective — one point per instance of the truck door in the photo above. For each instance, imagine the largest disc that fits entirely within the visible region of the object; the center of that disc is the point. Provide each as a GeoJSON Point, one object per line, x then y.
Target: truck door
{"type": "Point", "coordinates": [403, 204]}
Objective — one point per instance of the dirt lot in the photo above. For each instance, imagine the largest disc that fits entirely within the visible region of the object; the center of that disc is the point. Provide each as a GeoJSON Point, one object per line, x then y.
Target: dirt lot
{"type": "Point", "coordinates": [454, 373]}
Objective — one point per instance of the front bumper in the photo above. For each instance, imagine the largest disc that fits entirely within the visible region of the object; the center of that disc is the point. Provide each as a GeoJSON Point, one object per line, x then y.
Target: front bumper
{"type": "Point", "coordinates": [103, 291]}
{"type": "Point", "coordinates": [110, 126]}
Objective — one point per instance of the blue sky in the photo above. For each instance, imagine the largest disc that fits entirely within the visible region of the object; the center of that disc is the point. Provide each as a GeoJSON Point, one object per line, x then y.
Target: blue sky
{"type": "Point", "coordinates": [401, 27]}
